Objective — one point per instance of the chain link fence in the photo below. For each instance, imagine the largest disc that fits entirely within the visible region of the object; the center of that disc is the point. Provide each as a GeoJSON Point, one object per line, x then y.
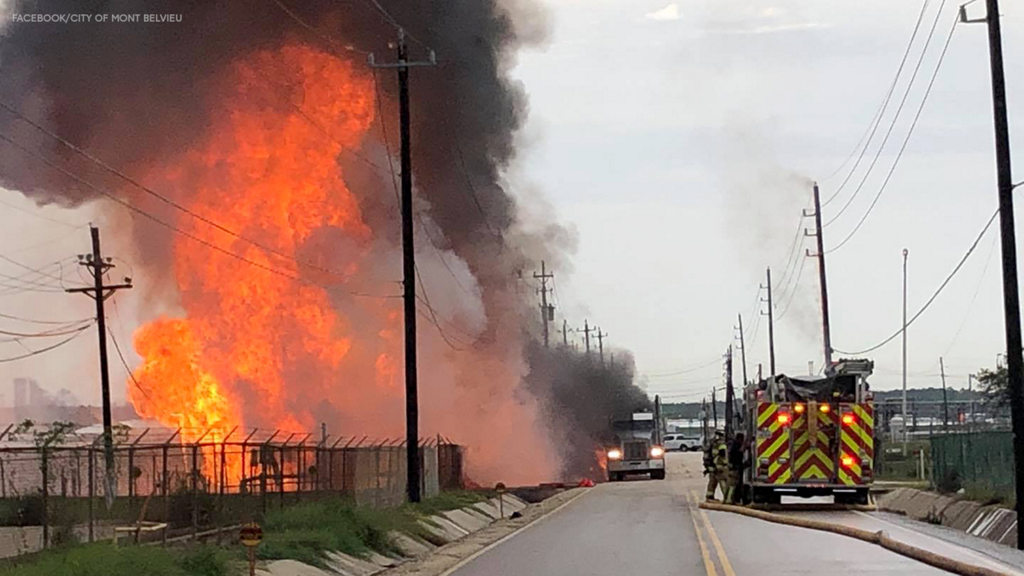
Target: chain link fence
{"type": "Point", "coordinates": [166, 487]}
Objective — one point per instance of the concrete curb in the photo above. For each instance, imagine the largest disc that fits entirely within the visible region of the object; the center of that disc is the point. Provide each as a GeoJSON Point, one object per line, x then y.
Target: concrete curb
{"type": "Point", "coordinates": [880, 538]}
{"type": "Point", "coordinates": [993, 523]}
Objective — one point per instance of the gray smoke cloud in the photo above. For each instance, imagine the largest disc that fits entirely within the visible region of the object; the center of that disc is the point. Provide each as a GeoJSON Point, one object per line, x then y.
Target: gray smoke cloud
{"type": "Point", "coordinates": [137, 93]}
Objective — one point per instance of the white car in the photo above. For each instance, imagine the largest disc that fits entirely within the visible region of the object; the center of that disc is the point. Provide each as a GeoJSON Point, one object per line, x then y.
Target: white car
{"type": "Point", "coordinates": [682, 442]}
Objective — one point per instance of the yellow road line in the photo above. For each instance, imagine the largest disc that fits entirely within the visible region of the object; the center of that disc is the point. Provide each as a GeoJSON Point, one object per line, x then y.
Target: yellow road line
{"type": "Point", "coordinates": [722, 558]}
{"type": "Point", "coordinates": [709, 564]}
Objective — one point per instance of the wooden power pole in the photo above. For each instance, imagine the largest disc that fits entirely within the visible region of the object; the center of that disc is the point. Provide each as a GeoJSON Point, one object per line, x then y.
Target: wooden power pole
{"type": "Point", "coordinates": [98, 266]}
{"type": "Point", "coordinates": [771, 325]}
{"type": "Point", "coordinates": [546, 312]}
{"type": "Point", "coordinates": [412, 441]}
{"type": "Point", "coordinates": [823, 283]}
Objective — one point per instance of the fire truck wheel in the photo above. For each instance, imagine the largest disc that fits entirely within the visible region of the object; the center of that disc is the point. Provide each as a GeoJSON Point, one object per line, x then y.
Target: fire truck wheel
{"type": "Point", "coordinates": [657, 474]}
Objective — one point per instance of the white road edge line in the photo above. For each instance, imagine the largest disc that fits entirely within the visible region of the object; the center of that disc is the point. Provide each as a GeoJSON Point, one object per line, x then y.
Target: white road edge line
{"type": "Point", "coordinates": [462, 563]}
{"type": "Point", "coordinates": [990, 560]}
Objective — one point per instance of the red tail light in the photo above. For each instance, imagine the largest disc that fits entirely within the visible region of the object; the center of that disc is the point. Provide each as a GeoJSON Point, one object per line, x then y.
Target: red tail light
{"type": "Point", "coordinates": [783, 418]}
{"type": "Point", "coordinates": [847, 461]}
{"type": "Point", "coordinates": [847, 419]}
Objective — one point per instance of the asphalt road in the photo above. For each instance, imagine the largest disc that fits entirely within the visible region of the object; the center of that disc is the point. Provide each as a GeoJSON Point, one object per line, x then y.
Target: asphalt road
{"type": "Point", "coordinates": [654, 528]}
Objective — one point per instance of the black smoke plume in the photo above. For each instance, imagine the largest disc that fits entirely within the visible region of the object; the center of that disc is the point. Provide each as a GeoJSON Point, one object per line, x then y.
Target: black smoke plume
{"type": "Point", "coordinates": [581, 396]}
{"type": "Point", "coordinates": [136, 93]}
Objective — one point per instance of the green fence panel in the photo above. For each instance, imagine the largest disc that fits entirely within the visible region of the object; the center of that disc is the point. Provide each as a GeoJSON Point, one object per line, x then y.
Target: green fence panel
{"type": "Point", "coordinates": [981, 459]}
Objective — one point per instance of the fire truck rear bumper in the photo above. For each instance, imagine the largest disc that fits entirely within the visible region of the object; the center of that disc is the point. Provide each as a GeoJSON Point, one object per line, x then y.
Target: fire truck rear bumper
{"type": "Point", "coordinates": [811, 490]}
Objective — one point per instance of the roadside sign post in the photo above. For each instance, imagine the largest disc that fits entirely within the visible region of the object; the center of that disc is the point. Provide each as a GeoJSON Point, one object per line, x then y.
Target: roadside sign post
{"type": "Point", "coordinates": [500, 489]}
{"type": "Point", "coordinates": [250, 536]}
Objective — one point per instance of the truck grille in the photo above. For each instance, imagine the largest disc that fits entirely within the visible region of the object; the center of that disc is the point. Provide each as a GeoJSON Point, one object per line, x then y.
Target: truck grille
{"type": "Point", "coordinates": [635, 450]}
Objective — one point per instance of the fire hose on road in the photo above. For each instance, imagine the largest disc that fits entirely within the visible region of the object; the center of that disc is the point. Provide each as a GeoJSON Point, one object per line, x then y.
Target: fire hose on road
{"type": "Point", "coordinates": [880, 538]}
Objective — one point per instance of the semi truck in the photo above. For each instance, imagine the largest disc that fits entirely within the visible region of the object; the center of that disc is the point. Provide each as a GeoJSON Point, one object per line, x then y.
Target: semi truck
{"type": "Point", "coordinates": [810, 436]}
{"type": "Point", "coordinates": [637, 447]}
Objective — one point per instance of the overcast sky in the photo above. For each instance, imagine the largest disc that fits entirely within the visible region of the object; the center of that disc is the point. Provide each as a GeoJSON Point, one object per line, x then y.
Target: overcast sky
{"type": "Point", "coordinates": [675, 137]}
{"type": "Point", "coordinates": [678, 139]}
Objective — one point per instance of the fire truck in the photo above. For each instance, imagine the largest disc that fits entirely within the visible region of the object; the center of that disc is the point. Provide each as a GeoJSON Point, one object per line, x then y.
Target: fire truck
{"type": "Point", "coordinates": [811, 437]}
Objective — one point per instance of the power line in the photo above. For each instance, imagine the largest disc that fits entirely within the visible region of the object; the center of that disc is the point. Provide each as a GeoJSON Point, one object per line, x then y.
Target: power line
{"type": "Point", "coordinates": [306, 25]}
{"type": "Point", "coordinates": [48, 348]}
{"type": "Point", "coordinates": [974, 297]}
{"type": "Point", "coordinates": [792, 295]}
{"type": "Point", "coordinates": [895, 119]}
{"type": "Point", "coordinates": [716, 361]}
{"type": "Point", "coordinates": [40, 216]}
{"type": "Point", "coordinates": [392, 21]}
{"type": "Point", "coordinates": [876, 121]}
{"type": "Point", "coordinates": [394, 185]}
{"type": "Point", "coordinates": [61, 331]}
{"type": "Point", "coordinates": [49, 322]}
{"type": "Point", "coordinates": [933, 297]}
{"type": "Point", "coordinates": [173, 228]}
{"type": "Point", "coordinates": [906, 140]}
{"type": "Point", "coordinates": [472, 189]}
{"type": "Point", "coordinates": [99, 162]}
{"type": "Point", "coordinates": [125, 363]}
{"type": "Point", "coordinates": [47, 242]}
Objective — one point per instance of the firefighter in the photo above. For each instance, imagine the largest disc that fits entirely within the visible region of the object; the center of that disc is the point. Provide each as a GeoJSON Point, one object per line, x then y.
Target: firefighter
{"type": "Point", "coordinates": [716, 466]}
{"type": "Point", "coordinates": [735, 475]}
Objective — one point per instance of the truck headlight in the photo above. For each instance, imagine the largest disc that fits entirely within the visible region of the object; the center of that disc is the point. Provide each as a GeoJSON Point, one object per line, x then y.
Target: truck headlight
{"type": "Point", "coordinates": [657, 452]}
{"type": "Point", "coordinates": [614, 454]}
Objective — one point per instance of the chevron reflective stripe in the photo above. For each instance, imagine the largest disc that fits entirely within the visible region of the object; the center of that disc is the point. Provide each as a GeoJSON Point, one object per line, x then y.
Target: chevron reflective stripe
{"type": "Point", "coordinates": [850, 474]}
{"type": "Point", "coordinates": [857, 444]}
{"type": "Point", "coordinates": [773, 442]}
{"type": "Point", "coordinates": [765, 412]}
{"type": "Point", "coordinates": [865, 427]}
{"type": "Point", "coordinates": [779, 473]}
{"type": "Point", "coordinates": [811, 454]}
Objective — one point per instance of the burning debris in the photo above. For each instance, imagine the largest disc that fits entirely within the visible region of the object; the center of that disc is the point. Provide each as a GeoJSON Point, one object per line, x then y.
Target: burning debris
{"type": "Point", "coordinates": [263, 149]}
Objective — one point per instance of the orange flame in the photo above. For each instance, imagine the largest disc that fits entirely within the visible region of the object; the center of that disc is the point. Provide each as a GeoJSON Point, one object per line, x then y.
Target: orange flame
{"type": "Point", "coordinates": [267, 170]}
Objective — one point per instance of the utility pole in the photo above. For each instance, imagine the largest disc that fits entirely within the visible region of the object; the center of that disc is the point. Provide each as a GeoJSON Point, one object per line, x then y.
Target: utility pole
{"type": "Point", "coordinates": [586, 335]}
{"type": "Point", "coordinates": [729, 394]}
{"type": "Point", "coordinates": [743, 350]}
{"type": "Point", "coordinates": [826, 329]}
{"type": "Point", "coordinates": [714, 406]}
{"type": "Point", "coordinates": [546, 313]}
{"type": "Point", "coordinates": [1011, 296]}
{"type": "Point", "coordinates": [905, 429]}
{"type": "Point", "coordinates": [945, 400]}
{"type": "Point", "coordinates": [970, 394]}
{"type": "Point", "coordinates": [771, 325]}
{"type": "Point", "coordinates": [600, 344]}
{"type": "Point", "coordinates": [565, 332]}
{"type": "Point", "coordinates": [99, 292]}
{"type": "Point", "coordinates": [412, 441]}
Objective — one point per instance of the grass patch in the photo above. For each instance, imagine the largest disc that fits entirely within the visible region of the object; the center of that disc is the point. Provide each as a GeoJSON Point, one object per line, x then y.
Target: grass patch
{"type": "Point", "coordinates": [986, 494]}
{"type": "Point", "coordinates": [101, 559]}
{"type": "Point", "coordinates": [448, 501]}
{"type": "Point", "coordinates": [303, 532]}
{"type": "Point", "coordinates": [307, 531]}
